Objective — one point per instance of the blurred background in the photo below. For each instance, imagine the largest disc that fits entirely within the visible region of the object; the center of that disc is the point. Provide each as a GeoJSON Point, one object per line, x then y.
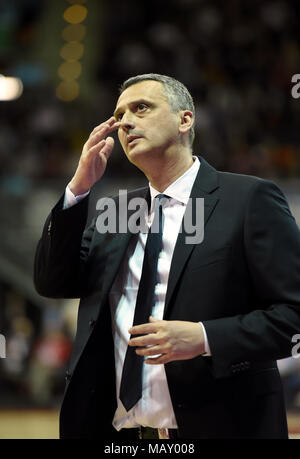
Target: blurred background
{"type": "Point", "coordinates": [61, 64]}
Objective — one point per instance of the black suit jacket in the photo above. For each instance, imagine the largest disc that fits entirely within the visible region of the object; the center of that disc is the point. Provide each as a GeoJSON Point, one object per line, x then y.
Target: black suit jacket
{"type": "Point", "coordinates": [242, 282]}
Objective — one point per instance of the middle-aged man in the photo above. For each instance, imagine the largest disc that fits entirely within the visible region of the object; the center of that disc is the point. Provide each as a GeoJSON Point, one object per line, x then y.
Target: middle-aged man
{"type": "Point", "coordinates": [201, 362]}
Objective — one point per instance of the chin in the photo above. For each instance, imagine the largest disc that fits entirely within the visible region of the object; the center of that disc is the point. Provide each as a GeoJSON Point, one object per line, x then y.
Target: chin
{"type": "Point", "coordinates": [136, 155]}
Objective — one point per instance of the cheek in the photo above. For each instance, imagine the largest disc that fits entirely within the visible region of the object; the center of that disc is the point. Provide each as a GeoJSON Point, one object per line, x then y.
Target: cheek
{"type": "Point", "coordinates": [164, 131]}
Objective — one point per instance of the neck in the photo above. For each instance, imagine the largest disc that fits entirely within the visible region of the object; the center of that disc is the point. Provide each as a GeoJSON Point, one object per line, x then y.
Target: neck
{"type": "Point", "coordinates": [167, 170]}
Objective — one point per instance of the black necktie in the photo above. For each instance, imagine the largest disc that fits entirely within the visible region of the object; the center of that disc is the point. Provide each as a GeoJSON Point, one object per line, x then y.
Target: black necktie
{"type": "Point", "coordinates": [131, 381]}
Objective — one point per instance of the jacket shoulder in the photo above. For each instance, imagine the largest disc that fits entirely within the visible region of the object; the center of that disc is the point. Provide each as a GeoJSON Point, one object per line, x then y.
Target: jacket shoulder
{"type": "Point", "coordinates": [240, 179]}
{"type": "Point", "coordinates": [240, 183]}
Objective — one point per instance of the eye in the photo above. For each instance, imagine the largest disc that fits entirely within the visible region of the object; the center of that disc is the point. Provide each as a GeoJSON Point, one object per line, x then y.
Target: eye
{"type": "Point", "coordinates": [142, 107]}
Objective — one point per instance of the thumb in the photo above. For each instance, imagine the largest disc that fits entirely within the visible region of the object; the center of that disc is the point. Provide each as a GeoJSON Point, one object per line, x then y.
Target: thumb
{"type": "Point", "coordinates": [151, 319]}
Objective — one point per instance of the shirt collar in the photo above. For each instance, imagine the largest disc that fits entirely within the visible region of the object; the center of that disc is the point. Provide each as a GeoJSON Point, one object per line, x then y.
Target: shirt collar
{"type": "Point", "coordinates": [180, 190]}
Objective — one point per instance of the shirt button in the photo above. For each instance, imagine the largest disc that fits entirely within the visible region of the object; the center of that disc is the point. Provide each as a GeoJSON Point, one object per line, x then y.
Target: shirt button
{"type": "Point", "coordinates": [67, 376]}
{"type": "Point", "coordinates": [92, 323]}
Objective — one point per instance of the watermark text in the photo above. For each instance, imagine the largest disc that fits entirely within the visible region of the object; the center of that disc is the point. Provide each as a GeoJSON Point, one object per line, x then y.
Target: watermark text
{"type": "Point", "coordinates": [296, 348]}
{"type": "Point", "coordinates": [122, 215]}
{"type": "Point", "coordinates": [2, 347]}
{"type": "Point", "coordinates": [296, 87]}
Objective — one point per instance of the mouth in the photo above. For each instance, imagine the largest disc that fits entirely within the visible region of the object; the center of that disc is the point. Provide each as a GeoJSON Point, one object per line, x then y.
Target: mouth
{"type": "Point", "coordinates": [131, 139]}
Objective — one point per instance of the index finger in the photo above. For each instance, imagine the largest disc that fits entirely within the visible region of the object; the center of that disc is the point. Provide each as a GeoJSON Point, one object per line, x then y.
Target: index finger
{"type": "Point", "coordinates": [143, 328]}
{"type": "Point", "coordinates": [109, 125]}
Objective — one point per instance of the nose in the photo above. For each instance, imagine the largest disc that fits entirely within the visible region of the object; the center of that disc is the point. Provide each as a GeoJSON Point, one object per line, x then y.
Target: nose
{"type": "Point", "coordinates": [127, 122]}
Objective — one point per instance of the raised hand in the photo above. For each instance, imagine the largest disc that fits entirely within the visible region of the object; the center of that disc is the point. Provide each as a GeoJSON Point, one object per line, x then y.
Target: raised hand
{"type": "Point", "coordinates": [94, 156]}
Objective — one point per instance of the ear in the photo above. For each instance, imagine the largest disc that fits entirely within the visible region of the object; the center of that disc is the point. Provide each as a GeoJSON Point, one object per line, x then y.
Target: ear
{"type": "Point", "coordinates": [186, 121]}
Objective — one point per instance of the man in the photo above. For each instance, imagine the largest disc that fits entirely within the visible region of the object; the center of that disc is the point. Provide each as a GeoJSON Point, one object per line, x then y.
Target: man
{"type": "Point", "coordinates": [225, 309]}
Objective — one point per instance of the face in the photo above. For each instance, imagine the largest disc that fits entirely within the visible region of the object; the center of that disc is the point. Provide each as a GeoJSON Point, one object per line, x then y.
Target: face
{"type": "Point", "coordinates": [148, 125]}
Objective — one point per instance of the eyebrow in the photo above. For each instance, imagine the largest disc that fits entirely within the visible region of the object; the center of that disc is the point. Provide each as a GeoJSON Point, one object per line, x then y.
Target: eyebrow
{"type": "Point", "coordinates": [134, 102]}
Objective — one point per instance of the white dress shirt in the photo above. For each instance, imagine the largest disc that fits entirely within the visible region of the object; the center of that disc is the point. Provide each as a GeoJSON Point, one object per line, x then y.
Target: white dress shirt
{"type": "Point", "coordinates": [154, 409]}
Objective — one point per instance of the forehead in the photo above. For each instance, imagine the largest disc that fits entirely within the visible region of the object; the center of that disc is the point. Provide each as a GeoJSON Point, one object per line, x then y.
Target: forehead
{"type": "Point", "coordinates": [149, 89]}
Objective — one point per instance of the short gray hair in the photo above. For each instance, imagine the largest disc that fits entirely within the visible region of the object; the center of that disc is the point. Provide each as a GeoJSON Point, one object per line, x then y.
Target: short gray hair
{"type": "Point", "coordinates": [176, 93]}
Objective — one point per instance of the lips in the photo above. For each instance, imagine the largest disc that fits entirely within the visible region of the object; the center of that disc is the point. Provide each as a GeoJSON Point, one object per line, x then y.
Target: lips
{"type": "Point", "coordinates": [131, 138]}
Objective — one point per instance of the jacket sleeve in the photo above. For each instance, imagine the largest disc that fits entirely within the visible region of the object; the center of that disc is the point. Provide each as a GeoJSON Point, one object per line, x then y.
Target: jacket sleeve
{"type": "Point", "coordinates": [272, 248]}
{"type": "Point", "coordinates": [62, 251]}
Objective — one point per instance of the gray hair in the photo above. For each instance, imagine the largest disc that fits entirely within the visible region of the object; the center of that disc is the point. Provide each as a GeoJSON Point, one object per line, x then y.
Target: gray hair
{"type": "Point", "coordinates": [176, 93]}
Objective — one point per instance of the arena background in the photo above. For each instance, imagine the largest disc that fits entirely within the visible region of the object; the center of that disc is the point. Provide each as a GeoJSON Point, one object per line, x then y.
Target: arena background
{"type": "Point", "coordinates": [61, 63]}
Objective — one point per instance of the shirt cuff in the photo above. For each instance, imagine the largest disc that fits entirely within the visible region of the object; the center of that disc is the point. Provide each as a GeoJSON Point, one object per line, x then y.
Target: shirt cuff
{"type": "Point", "coordinates": [70, 199]}
{"type": "Point", "coordinates": [206, 345]}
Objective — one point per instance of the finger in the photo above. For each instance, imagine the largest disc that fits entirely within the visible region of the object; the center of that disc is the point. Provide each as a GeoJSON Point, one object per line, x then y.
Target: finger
{"type": "Point", "coordinates": [99, 135]}
{"type": "Point", "coordinates": [108, 147]}
{"type": "Point", "coordinates": [147, 351]}
{"type": "Point", "coordinates": [94, 139]}
{"type": "Point", "coordinates": [114, 126]}
{"type": "Point", "coordinates": [147, 340]}
{"type": "Point", "coordinates": [95, 149]}
{"type": "Point", "coordinates": [110, 121]}
{"type": "Point", "coordinates": [145, 328]}
{"type": "Point", "coordinates": [105, 147]}
{"type": "Point", "coordinates": [109, 125]}
{"type": "Point", "coordinates": [162, 359]}
{"type": "Point", "coordinates": [152, 319]}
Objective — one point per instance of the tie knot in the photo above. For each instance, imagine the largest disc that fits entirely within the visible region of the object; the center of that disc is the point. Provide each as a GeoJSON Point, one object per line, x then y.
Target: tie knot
{"type": "Point", "coordinates": [159, 202]}
{"type": "Point", "coordinates": [162, 198]}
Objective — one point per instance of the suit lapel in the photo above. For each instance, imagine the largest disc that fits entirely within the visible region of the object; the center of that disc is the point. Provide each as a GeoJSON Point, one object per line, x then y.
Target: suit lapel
{"type": "Point", "coordinates": [206, 183]}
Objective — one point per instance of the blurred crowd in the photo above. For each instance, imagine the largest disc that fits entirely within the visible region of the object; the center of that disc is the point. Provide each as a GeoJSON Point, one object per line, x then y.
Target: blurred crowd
{"type": "Point", "coordinates": [236, 57]}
